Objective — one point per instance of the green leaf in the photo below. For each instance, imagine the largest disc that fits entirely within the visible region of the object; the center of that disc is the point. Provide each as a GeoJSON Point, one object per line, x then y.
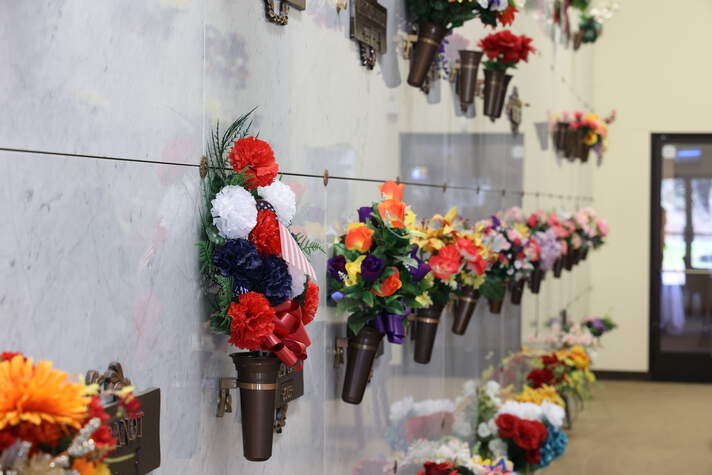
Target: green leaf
{"type": "Point", "coordinates": [225, 295]}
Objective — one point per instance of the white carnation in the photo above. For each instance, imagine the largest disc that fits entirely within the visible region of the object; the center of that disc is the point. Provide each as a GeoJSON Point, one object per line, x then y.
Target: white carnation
{"type": "Point", "coordinates": [299, 280]}
{"type": "Point", "coordinates": [483, 430]}
{"type": "Point", "coordinates": [554, 413]}
{"type": "Point", "coordinates": [282, 199]}
{"type": "Point", "coordinates": [523, 410]}
{"type": "Point", "coordinates": [234, 212]}
{"type": "Point", "coordinates": [498, 447]}
{"type": "Point", "coordinates": [453, 451]}
{"type": "Point", "coordinates": [462, 426]}
{"type": "Point", "coordinates": [469, 388]}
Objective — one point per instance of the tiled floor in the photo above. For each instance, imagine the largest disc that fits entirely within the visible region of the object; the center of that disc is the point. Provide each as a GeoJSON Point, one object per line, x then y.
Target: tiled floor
{"type": "Point", "coordinates": [640, 428]}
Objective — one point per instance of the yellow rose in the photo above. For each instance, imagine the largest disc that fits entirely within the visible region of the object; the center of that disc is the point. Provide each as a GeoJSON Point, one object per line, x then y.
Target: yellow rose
{"type": "Point", "coordinates": [353, 270]}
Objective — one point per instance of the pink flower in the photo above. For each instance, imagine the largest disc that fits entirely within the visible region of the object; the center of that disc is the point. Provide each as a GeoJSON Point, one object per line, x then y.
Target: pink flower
{"type": "Point", "coordinates": [602, 227]}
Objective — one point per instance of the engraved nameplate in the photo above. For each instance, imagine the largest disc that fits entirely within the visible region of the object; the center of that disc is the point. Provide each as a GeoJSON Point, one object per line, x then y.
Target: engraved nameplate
{"type": "Point", "coordinates": [138, 442]}
{"type": "Point", "coordinates": [290, 385]}
{"type": "Point", "coordinates": [368, 24]}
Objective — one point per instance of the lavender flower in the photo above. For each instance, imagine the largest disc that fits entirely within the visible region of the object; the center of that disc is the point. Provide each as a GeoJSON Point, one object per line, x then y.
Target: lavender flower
{"type": "Point", "coordinates": [550, 248]}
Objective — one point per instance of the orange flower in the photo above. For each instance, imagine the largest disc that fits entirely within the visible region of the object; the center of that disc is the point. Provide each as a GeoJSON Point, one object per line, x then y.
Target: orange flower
{"type": "Point", "coordinates": [392, 212]}
{"type": "Point", "coordinates": [390, 285]}
{"type": "Point", "coordinates": [392, 191]}
{"type": "Point", "coordinates": [37, 396]}
{"type": "Point", "coordinates": [85, 467]}
{"type": "Point", "coordinates": [358, 237]}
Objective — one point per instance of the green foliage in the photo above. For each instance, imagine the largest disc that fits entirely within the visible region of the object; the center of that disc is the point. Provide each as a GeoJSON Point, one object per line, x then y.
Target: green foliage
{"type": "Point", "coordinates": [580, 4]}
{"type": "Point", "coordinates": [205, 257]}
{"type": "Point", "coordinates": [591, 29]}
{"type": "Point", "coordinates": [450, 14]}
{"type": "Point", "coordinates": [307, 245]}
{"type": "Point", "coordinates": [225, 292]}
{"type": "Point", "coordinates": [493, 287]}
{"type": "Point", "coordinates": [220, 324]}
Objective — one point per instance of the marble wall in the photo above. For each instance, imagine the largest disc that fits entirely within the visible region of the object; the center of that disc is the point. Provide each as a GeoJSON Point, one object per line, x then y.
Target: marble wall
{"type": "Point", "coordinates": [97, 255]}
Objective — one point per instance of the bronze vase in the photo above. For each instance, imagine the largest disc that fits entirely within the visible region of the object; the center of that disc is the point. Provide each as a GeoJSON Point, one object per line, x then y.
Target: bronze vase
{"type": "Point", "coordinates": [535, 280]}
{"type": "Point", "coordinates": [560, 133]}
{"type": "Point", "coordinates": [558, 267]}
{"type": "Point", "coordinates": [584, 254]}
{"type": "Point", "coordinates": [469, 63]}
{"type": "Point", "coordinates": [359, 361]}
{"type": "Point", "coordinates": [569, 259]}
{"type": "Point", "coordinates": [429, 38]}
{"type": "Point", "coordinates": [463, 307]}
{"type": "Point", "coordinates": [426, 327]}
{"type": "Point", "coordinates": [517, 289]}
{"type": "Point", "coordinates": [257, 381]}
{"type": "Point", "coordinates": [571, 143]}
{"type": "Point", "coordinates": [496, 83]}
{"type": "Point", "coordinates": [580, 149]}
{"type": "Point", "coordinates": [578, 40]}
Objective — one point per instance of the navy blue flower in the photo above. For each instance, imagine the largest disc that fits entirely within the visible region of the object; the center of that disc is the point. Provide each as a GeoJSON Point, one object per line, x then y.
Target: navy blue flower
{"type": "Point", "coordinates": [336, 267]}
{"type": "Point", "coordinates": [239, 259]}
{"type": "Point", "coordinates": [274, 282]}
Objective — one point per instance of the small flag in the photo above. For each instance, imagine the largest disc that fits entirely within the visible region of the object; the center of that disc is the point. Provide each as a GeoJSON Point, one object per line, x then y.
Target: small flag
{"type": "Point", "coordinates": [293, 254]}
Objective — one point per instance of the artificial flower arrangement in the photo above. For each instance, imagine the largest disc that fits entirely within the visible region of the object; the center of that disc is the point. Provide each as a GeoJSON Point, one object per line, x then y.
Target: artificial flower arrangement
{"type": "Point", "coordinates": [451, 456]}
{"type": "Point", "coordinates": [568, 370]}
{"type": "Point", "coordinates": [258, 280]}
{"type": "Point", "coordinates": [551, 248]}
{"type": "Point", "coordinates": [376, 276]}
{"type": "Point", "coordinates": [504, 50]}
{"type": "Point", "coordinates": [576, 134]}
{"type": "Point", "coordinates": [53, 424]}
{"type": "Point", "coordinates": [591, 25]}
{"type": "Point", "coordinates": [514, 252]}
{"type": "Point", "coordinates": [458, 261]}
{"type": "Point", "coordinates": [530, 251]}
{"type": "Point", "coordinates": [436, 18]}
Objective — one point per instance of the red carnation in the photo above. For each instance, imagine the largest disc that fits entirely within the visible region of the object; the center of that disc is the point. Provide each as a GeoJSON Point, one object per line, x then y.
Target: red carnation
{"type": "Point", "coordinates": [311, 302]}
{"type": "Point", "coordinates": [102, 436]}
{"type": "Point", "coordinates": [252, 321]}
{"type": "Point", "coordinates": [540, 377]}
{"type": "Point", "coordinates": [432, 468]}
{"type": "Point", "coordinates": [254, 158]}
{"type": "Point", "coordinates": [530, 435]}
{"type": "Point", "coordinates": [507, 424]}
{"type": "Point", "coordinates": [533, 456]}
{"type": "Point", "coordinates": [265, 235]}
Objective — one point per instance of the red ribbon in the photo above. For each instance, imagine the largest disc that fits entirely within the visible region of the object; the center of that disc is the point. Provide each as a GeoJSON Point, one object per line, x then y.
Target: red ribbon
{"type": "Point", "coordinates": [289, 340]}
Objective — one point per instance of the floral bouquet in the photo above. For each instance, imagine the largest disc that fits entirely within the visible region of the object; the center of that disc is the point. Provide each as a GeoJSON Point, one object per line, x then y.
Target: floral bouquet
{"type": "Point", "coordinates": [533, 433]}
{"type": "Point", "coordinates": [504, 51]}
{"type": "Point", "coordinates": [531, 250]}
{"type": "Point", "coordinates": [258, 280]}
{"type": "Point", "coordinates": [568, 370]}
{"type": "Point", "coordinates": [599, 326]}
{"type": "Point", "coordinates": [53, 424]}
{"type": "Point", "coordinates": [376, 276]}
{"type": "Point", "coordinates": [588, 131]}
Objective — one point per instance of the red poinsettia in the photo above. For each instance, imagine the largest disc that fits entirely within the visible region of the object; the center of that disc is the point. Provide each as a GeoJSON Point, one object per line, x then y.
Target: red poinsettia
{"type": "Point", "coordinates": [505, 49]}
{"type": "Point", "coordinates": [254, 158]}
{"type": "Point", "coordinates": [446, 262]}
{"type": "Point", "coordinates": [265, 235]}
{"type": "Point", "coordinates": [252, 320]}
{"type": "Point", "coordinates": [311, 302]}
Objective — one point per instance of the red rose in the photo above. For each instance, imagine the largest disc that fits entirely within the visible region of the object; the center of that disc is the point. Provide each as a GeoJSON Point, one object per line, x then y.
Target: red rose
{"type": "Point", "coordinates": [254, 158]}
{"type": "Point", "coordinates": [432, 468]}
{"type": "Point", "coordinates": [311, 302]}
{"type": "Point", "coordinates": [252, 321]}
{"type": "Point", "coordinates": [539, 377]}
{"type": "Point", "coordinates": [446, 262]}
{"type": "Point", "coordinates": [530, 435]}
{"type": "Point", "coordinates": [550, 360]}
{"type": "Point", "coordinates": [507, 424]}
{"type": "Point", "coordinates": [265, 235]}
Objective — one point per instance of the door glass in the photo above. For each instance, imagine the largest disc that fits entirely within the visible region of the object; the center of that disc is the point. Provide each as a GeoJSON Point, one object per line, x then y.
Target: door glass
{"type": "Point", "coordinates": [686, 208]}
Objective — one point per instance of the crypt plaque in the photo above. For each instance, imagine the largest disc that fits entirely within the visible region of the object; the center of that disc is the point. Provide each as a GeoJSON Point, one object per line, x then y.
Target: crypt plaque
{"type": "Point", "coordinates": [369, 22]}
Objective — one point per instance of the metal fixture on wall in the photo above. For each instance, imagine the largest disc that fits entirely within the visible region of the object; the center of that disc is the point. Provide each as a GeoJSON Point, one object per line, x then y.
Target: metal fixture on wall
{"type": "Point", "coordinates": [368, 23]}
{"type": "Point", "coordinates": [282, 18]}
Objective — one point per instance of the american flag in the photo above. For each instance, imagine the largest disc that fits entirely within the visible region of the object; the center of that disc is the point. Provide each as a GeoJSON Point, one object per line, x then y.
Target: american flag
{"type": "Point", "coordinates": [293, 254]}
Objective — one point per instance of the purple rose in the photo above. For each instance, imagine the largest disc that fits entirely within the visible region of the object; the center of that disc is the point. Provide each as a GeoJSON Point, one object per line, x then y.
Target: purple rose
{"type": "Point", "coordinates": [371, 268]}
{"type": "Point", "coordinates": [419, 273]}
{"type": "Point", "coordinates": [336, 266]}
{"type": "Point", "coordinates": [364, 213]}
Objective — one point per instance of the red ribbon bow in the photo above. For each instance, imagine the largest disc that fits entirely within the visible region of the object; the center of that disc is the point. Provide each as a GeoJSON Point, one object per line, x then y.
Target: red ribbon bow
{"type": "Point", "coordinates": [289, 340]}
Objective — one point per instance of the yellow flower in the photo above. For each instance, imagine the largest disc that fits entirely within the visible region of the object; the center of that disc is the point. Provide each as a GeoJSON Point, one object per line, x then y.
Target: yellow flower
{"type": "Point", "coordinates": [410, 218]}
{"type": "Point", "coordinates": [41, 399]}
{"type": "Point", "coordinates": [353, 270]}
{"type": "Point", "coordinates": [538, 396]}
{"type": "Point", "coordinates": [424, 300]}
{"type": "Point", "coordinates": [591, 138]}
{"type": "Point", "coordinates": [522, 228]}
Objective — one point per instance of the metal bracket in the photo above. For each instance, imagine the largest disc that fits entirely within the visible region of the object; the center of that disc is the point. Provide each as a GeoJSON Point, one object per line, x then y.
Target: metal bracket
{"type": "Point", "coordinates": [224, 395]}
{"type": "Point", "coordinates": [340, 345]}
{"type": "Point", "coordinates": [280, 418]}
{"type": "Point", "coordinates": [407, 45]}
{"type": "Point", "coordinates": [281, 18]}
{"type": "Point", "coordinates": [113, 378]}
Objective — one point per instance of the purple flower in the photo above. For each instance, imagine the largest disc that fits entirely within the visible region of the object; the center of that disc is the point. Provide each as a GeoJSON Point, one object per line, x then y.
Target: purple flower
{"type": "Point", "coordinates": [336, 267]}
{"type": "Point", "coordinates": [419, 273]}
{"type": "Point", "coordinates": [495, 221]}
{"type": "Point", "coordinates": [414, 251]}
{"type": "Point", "coordinates": [364, 213]}
{"type": "Point", "coordinates": [371, 268]}
{"type": "Point", "coordinates": [336, 296]}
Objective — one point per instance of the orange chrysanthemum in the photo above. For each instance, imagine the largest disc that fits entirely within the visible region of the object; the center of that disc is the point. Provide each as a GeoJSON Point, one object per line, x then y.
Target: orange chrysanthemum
{"type": "Point", "coordinates": [39, 399]}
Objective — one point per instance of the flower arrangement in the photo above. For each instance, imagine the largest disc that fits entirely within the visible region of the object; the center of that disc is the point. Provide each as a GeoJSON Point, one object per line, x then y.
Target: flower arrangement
{"type": "Point", "coordinates": [375, 273]}
{"type": "Point", "coordinates": [599, 326]}
{"type": "Point", "coordinates": [593, 131]}
{"type": "Point", "coordinates": [51, 423]}
{"type": "Point", "coordinates": [257, 278]}
{"type": "Point", "coordinates": [451, 14]}
{"type": "Point", "coordinates": [430, 419]}
{"type": "Point", "coordinates": [504, 50]}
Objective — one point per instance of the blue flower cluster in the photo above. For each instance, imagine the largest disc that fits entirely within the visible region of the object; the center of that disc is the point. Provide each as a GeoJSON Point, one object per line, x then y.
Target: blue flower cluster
{"type": "Point", "coordinates": [268, 275]}
{"type": "Point", "coordinates": [554, 446]}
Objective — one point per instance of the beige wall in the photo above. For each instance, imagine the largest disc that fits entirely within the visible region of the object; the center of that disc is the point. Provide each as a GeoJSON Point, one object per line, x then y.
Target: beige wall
{"type": "Point", "coordinates": [652, 65]}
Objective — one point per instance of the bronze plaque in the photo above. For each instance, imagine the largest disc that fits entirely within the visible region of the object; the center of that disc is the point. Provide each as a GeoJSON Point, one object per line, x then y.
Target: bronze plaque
{"type": "Point", "coordinates": [298, 4]}
{"type": "Point", "coordinates": [290, 385]}
{"type": "Point", "coordinates": [138, 449]}
{"type": "Point", "coordinates": [368, 24]}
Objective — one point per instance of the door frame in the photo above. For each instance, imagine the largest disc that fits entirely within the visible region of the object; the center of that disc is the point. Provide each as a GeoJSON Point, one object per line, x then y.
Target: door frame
{"type": "Point", "coordinates": [682, 367]}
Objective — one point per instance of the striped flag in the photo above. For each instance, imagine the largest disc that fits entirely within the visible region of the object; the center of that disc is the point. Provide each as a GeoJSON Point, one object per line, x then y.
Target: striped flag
{"type": "Point", "coordinates": [293, 254]}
